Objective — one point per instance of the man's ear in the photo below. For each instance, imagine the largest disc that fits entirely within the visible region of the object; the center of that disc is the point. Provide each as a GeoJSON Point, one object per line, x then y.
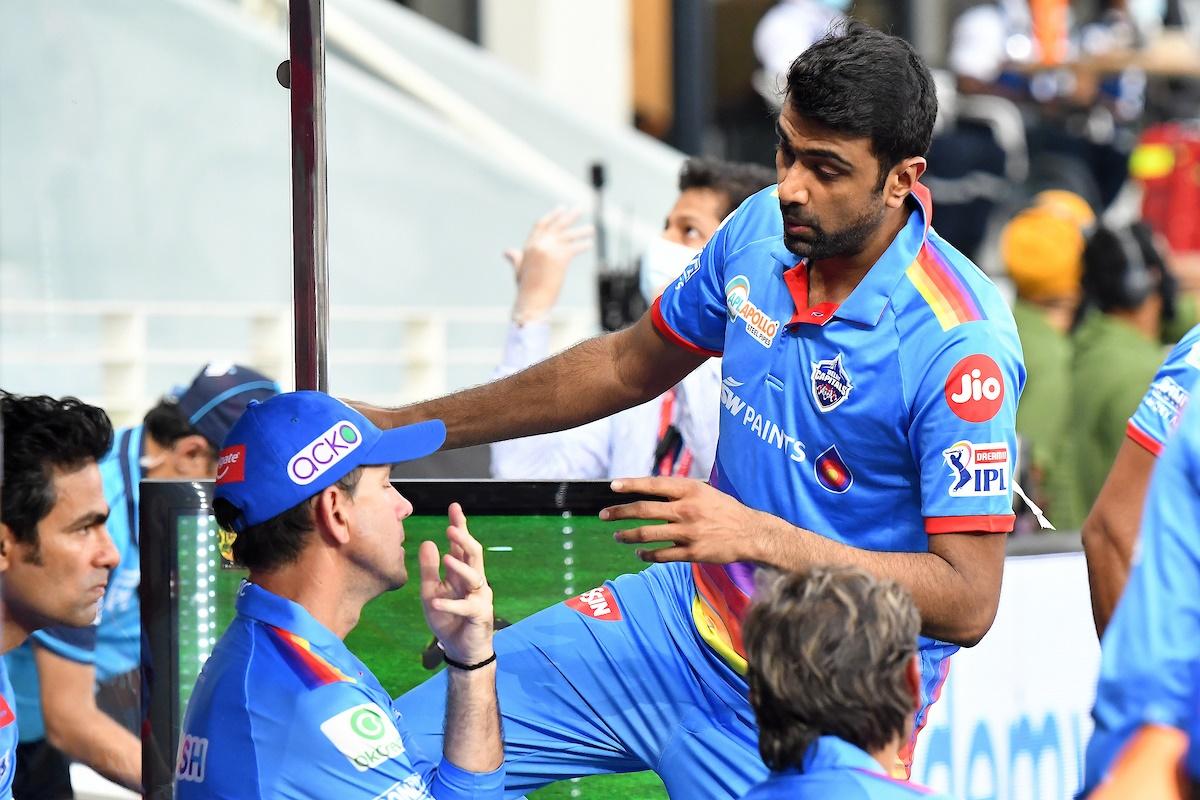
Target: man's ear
{"type": "Point", "coordinates": [331, 512]}
{"type": "Point", "coordinates": [190, 448]}
{"type": "Point", "coordinates": [8, 543]}
{"type": "Point", "coordinates": [902, 179]}
{"type": "Point", "coordinates": [912, 677]}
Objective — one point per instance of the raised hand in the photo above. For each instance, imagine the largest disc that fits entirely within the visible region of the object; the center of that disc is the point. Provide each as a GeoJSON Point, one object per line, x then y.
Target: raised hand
{"type": "Point", "coordinates": [458, 607]}
{"type": "Point", "coordinates": [541, 265]}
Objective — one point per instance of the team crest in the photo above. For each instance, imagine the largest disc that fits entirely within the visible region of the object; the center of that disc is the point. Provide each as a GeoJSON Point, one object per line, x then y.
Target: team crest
{"type": "Point", "coordinates": [830, 383]}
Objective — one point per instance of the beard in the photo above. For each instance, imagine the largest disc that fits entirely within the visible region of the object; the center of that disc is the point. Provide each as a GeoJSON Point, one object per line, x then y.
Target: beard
{"type": "Point", "coordinates": [821, 243]}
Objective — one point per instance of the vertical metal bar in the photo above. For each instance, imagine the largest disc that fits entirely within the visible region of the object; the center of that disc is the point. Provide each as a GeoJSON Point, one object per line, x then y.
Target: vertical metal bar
{"type": "Point", "coordinates": [310, 247]}
{"type": "Point", "coordinates": [693, 73]}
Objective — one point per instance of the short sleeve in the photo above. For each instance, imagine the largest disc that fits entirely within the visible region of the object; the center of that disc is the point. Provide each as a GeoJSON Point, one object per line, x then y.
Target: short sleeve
{"type": "Point", "coordinates": [74, 644]}
{"type": "Point", "coordinates": [963, 431]}
{"type": "Point", "coordinates": [1152, 646]}
{"type": "Point", "coordinates": [1157, 414]}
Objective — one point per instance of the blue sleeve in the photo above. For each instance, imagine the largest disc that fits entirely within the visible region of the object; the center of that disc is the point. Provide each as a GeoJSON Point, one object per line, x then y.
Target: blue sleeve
{"type": "Point", "coordinates": [1150, 651]}
{"type": "Point", "coordinates": [963, 429]}
{"type": "Point", "coordinates": [74, 644]}
{"type": "Point", "coordinates": [692, 311]}
{"type": "Point", "coordinates": [1157, 415]}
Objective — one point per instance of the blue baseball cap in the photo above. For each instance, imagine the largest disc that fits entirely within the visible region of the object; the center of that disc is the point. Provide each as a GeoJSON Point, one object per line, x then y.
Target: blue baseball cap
{"type": "Point", "coordinates": [294, 445]}
{"type": "Point", "coordinates": [218, 395]}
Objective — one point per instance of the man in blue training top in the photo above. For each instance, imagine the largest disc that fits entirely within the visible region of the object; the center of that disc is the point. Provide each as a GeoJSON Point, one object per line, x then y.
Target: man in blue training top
{"type": "Point", "coordinates": [835, 682]}
{"type": "Point", "coordinates": [1146, 700]}
{"type": "Point", "coordinates": [55, 553]}
{"type": "Point", "coordinates": [870, 384]}
{"type": "Point", "coordinates": [77, 688]}
{"type": "Point", "coordinates": [282, 709]}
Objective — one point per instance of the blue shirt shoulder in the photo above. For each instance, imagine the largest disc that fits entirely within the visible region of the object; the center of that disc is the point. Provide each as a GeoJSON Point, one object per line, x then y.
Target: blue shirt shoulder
{"type": "Point", "coordinates": [8, 734]}
{"type": "Point", "coordinates": [1157, 415]}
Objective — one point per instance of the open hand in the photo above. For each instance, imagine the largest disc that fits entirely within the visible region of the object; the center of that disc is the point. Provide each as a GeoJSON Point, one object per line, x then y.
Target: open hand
{"type": "Point", "coordinates": [541, 266]}
{"type": "Point", "coordinates": [458, 608]}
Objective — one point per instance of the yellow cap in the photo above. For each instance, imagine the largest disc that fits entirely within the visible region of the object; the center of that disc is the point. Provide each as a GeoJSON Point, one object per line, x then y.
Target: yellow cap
{"type": "Point", "coordinates": [1042, 246]}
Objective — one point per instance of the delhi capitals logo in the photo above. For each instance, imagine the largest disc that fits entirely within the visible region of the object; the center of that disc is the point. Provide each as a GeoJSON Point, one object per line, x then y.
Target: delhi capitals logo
{"type": "Point", "coordinates": [830, 383]}
{"type": "Point", "coordinates": [831, 471]}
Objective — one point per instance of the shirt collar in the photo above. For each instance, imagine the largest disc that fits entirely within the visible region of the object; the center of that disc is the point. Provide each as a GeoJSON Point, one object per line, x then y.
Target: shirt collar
{"type": "Point", "coordinates": [832, 753]}
{"type": "Point", "coordinates": [866, 303]}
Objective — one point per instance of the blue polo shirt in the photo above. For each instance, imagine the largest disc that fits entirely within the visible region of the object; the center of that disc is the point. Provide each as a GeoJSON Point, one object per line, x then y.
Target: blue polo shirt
{"type": "Point", "coordinates": [282, 709]}
{"type": "Point", "coordinates": [834, 768]}
{"type": "Point", "coordinates": [8, 734]}
{"type": "Point", "coordinates": [1157, 416]}
{"type": "Point", "coordinates": [113, 644]}
{"type": "Point", "coordinates": [877, 423]}
{"type": "Point", "coordinates": [1151, 650]}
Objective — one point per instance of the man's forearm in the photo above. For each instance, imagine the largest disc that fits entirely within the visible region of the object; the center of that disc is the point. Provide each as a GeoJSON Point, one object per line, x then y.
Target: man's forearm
{"type": "Point", "coordinates": [1109, 558]}
{"type": "Point", "coordinates": [92, 737]}
{"type": "Point", "coordinates": [953, 607]}
{"type": "Point", "coordinates": [473, 740]}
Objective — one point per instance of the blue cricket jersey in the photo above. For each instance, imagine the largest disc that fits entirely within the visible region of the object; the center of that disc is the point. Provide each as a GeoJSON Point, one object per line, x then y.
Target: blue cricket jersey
{"type": "Point", "coordinates": [113, 644]}
{"type": "Point", "coordinates": [8, 735]}
{"type": "Point", "coordinates": [1157, 416]}
{"type": "Point", "coordinates": [876, 423]}
{"type": "Point", "coordinates": [1151, 650]}
{"type": "Point", "coordinates": [283, 710]}
{"type": "Point", "coordinates": [834, 768]}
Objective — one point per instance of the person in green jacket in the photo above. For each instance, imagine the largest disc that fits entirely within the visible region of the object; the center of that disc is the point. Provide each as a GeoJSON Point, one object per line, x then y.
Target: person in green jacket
{"type": "Point", "coordinates": [1042, 249]}
{"type": "Point", "coordinates": [1117, 345]}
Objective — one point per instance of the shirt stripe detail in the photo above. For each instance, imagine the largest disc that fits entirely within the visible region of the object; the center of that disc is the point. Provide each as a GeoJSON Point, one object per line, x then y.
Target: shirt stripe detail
{"type": "Point", "coordinates": [948, 296]}
{"type": "Point", "coordinates": [718, 610]}
{"type": "Point", "coordinates": [983, 523]}
{"type": "Point", "coordinates": [1144, 439]}
{"type": "Point", "coordinates": [905, 755]}
{"type": "Point", "coordinates": [314, 670]}
{"type": "Point", "coordinates": [666, 330]}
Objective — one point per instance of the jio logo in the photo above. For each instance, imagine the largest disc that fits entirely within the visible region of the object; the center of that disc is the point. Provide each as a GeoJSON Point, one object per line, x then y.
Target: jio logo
{"type": "Point", "coordinates": [319, 455]}
{"type": "Point", "coordinates": [975, 388]}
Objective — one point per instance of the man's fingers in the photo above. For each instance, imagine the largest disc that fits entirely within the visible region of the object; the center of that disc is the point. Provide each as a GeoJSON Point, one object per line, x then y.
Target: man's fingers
{"type": "Point", "coordinates": [514, 258]}
{"type": "Point", "coordinates": [456, 516]}
{"type": "Point", "coordinates": [664, 555]}
{"type": "Point", "coordinates": [669, 487]}
{"type": "Point", "coordinates": [467, 607]}
{"type": "Point", "coordinates": [427, 557]}
{"type": "Point", "coordinates": [642, 509]}
{"type": "Point", "coordinates": [466, 547]}
{"type": "Point", "coordinates": [462, 576]}
{"type": "Point", "coordinates": [651, 533]}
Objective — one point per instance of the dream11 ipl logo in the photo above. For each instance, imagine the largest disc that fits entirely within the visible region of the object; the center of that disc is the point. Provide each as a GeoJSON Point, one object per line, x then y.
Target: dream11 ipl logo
{"type": "Point", "coordinates": [319, 455]}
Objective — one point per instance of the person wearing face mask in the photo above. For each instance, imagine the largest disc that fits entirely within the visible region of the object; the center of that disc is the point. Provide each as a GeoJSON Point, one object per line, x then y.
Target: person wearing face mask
{"type": "Point", "coordinates": [674, 434]}
{"type": "Point", "coordinates": [77, 688]}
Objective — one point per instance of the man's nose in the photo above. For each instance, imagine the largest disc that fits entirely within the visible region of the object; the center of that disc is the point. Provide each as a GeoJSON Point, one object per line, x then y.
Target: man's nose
{"type": "Point", "coordinates": [793, 189]}
{"type": "Point", "coordinates": [108, 556]}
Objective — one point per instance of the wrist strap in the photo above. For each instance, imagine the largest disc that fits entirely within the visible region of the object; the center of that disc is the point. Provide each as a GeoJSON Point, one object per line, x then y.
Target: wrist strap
{"type": "Point", "coordinates": [450, 662]}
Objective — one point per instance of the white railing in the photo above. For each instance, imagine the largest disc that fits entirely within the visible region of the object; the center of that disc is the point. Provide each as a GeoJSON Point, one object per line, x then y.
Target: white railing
{"type": "Point", "coordinates": [387, 355]}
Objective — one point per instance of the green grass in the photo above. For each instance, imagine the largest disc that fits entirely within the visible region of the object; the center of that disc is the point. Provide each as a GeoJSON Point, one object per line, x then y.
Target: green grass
{"type": "Point", "coordinates": [551, 559]}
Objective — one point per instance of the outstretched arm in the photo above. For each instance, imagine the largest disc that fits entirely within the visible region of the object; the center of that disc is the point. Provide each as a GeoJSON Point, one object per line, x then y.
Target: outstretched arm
{"type": "Point", "coordinates": [593, 379]}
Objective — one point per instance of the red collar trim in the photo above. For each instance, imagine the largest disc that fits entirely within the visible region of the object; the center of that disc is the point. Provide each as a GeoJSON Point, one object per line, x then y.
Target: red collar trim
{"type": "Point", "coordinates": [796, 279]}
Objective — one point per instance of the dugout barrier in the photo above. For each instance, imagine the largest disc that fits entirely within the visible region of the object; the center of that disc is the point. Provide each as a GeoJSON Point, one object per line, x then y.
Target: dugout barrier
{"type": "Point", "coordinates": [1012, 721]}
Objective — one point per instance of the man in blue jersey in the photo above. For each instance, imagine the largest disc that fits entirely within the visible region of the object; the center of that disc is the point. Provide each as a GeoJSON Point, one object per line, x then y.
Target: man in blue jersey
{"type": "Point", "coordinates": [835, 683]}
{"type": "Point", "coordinates": [1146, 701]}
{"type": "Point", "coordinates": [871, 376]}
{"type": "Point", "coordinates": [1111, 528]}
{"type": "Point", "coordinates": [55, 553]}
{"type": "Point", "coordinates": [282, 709]}
{"type": "Point", "coordinates": [77, 688]}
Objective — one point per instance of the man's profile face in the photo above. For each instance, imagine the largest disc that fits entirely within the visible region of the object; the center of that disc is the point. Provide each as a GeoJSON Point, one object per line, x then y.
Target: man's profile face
{"type": "Point", "coordinates": [695, 217]}
{"type": "Point", "coordinates": [829, 191]}
{"type": "Point", "coordinates": [60, 580]}
{"type": "Point", "coordinates": [378, 528]}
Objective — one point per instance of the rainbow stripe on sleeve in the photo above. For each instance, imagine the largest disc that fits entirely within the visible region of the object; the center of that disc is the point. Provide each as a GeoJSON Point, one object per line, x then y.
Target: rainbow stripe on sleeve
{"type": "Point", "coordinates": [311, 668]}
{"type": "Point", "coordinates": [951, 299]}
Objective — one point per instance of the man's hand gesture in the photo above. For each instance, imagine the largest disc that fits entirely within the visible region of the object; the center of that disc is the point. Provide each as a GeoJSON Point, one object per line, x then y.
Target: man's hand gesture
{"type": "Point", "coordinates": [458, 608]}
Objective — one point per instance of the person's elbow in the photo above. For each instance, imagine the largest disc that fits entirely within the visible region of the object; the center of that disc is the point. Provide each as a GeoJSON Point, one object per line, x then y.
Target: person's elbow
{"type": "Point", "coordinates": [975, 625]}
{"type": "Point", "coordinates": [62, 728]}
{"type": "Point", "coordinates": [1098, 533]}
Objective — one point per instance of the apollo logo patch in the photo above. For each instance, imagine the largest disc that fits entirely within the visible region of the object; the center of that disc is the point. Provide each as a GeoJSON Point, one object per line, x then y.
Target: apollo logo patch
{"type": "Point", "coordinates": [830, 383]}
{"type": "Point", "coordinates": [319, 455]}
{"type": "Point", "coordinates": [598, 603]}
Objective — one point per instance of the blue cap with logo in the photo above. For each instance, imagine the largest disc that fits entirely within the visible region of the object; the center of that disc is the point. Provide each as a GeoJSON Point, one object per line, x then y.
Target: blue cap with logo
{"type": "Point", "coordinates": [218, 395]}
{"type": "Point", "coordinates": [291, 447]}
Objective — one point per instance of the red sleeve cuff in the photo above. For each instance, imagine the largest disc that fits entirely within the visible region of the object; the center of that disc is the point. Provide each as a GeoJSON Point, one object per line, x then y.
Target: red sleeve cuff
{"type": "Point", "coordinates": [674, 338]}
{"type": "Point", "coordinates": [993, 523]}
{"type": "Point", "coordinates": [1144, 439]}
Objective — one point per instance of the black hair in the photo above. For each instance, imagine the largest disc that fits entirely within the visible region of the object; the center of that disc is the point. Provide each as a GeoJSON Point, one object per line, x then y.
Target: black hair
{"type": "Point", "coordinates": [43, 434]}
{"type": "Point", "coordinates": [166, 424]}
{"type": "Point", "coordinates": [278, 541]}
{"type": "Point", "coordinates": [859, 81]}
{"type": "Point", "coordinates": [735, 180]}
{"type": "Point", "coordinates": [1122, 267]}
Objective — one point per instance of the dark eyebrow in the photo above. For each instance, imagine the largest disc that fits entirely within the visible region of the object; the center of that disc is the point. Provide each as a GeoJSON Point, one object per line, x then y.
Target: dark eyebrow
{"type": "Point", "coordinates": [812, 152]}
{"type": "Point", "coordinates": [88, 520]}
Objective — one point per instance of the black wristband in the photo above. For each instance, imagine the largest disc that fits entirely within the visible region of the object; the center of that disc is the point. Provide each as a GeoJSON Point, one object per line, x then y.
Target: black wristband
{"type": "Point", "coordinates": [459, 665]}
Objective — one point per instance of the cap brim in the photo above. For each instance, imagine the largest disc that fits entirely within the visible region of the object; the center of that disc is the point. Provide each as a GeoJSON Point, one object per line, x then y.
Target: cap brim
{"type": "Point", "coordinates": [406, 443]}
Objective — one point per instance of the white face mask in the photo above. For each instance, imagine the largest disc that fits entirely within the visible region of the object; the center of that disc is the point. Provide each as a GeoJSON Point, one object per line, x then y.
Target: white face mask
{"type": "Point", "coordinates": [662, 262]}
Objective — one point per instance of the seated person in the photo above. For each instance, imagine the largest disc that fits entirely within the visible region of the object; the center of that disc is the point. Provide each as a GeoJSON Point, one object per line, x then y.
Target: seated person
{"type": "Point", "coordinates": [282, 709]}
{"type": "Point", "coordinates": [674, 434]}
{"type": "Point", "coordinates": [77, 688]}
{"type": "Point", "coordinates": [835, 683]}
{"type": "Point", "coordinates": [55, 553]}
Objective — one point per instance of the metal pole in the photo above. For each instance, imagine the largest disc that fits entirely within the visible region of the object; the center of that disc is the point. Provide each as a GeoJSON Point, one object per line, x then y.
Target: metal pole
{"type": "Point", "coordinates": [692, 63]}
{"type": "Point", "coordinates": [310, 247]}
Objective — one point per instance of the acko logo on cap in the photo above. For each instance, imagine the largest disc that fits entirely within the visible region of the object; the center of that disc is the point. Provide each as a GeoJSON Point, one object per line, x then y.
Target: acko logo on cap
{"type": "Point", "coordinates": [319, 455]}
